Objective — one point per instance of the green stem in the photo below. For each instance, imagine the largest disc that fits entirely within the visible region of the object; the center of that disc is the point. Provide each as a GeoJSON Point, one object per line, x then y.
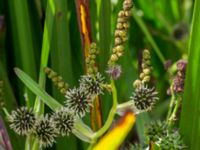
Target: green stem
{"type": "Point", "coordinates": [171, 103]}
{"type": "Point", "coordinates": [173, 115]}
{"type": "Point", "coordinates": [6, 112]}
{"type": "Point", "coordinates": [144, 28]}
{"type": "Point", "coordinates": [110, 116]}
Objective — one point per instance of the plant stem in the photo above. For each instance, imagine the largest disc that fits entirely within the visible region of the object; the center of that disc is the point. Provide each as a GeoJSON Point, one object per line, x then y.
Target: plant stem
{"type": "Point", "coordinates": [110, 116]}
{"type": "Point", "coordinates": [173, 115]}
{"type": "Point", "coordinates": [148, 35]}
{"type": "Point", "coordinates": [171, 103]}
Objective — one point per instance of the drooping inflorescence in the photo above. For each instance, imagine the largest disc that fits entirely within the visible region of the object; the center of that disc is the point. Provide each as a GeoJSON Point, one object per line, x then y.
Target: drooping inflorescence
{"type": "Point", "coordinates": [45, 131]}
{"type": "Point", "coordinates": [57, 80]}
{"type": "Point", "coordinates": [22, 120]}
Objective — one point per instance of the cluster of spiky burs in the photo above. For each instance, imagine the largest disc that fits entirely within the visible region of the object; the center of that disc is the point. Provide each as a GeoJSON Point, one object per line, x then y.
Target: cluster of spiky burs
{"type": "Point", "coordinates": [158, 133]}
{"type": "Point", "coordinates": [165, 138]}
{"type": "Point", "coordinates": [144, 97]}
{"type": "Point", "coordinates": [78, 101]}
{"type": "Point", "coordinates": [45, 128]}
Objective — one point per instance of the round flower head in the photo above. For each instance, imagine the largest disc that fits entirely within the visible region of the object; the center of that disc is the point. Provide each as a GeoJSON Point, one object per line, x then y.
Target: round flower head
{"type": "Point", "coordinates": [64, 121]}
{"type": "Point", "coordinates": [144, 98]}
{"type": "Point", "coordinates": [78, 101]}
{"type": "Point", "coordinates": [92, 84]}
{"type": "Point", "coordinates": [45, 131]}
{"type": "Point", "coordinates": [22, 120]}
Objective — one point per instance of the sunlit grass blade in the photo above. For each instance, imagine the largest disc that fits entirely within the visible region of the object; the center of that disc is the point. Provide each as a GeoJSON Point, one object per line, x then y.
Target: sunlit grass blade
{"type": "Point", "coordinates": [190, 124]}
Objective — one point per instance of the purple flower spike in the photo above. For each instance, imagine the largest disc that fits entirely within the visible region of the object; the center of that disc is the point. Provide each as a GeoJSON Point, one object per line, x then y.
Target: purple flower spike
{"type": "Point", "coordinates": [181, 65]}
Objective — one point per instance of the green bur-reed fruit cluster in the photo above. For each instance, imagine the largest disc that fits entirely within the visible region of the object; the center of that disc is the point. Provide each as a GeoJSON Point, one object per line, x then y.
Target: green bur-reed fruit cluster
{"type": "Point", "coordinates": [57, 80]}
{"type": "Point", "coordinates": [155, 130]}
{"type": "Point", "coordinates": [166, 139]}
{"type": "Point", "coordinates": [121, 32]}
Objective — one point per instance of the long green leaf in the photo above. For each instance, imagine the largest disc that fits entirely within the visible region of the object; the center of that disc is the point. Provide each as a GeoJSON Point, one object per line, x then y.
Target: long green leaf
{"type": "Point", "coordinates": [61, 60]}
{"type": "Point", "coordinates": [47, 36]}
{"type": "Point", "coordinates": [190, 124]}
{"type": "Point", "coordinates": [35, 88]}
{"type": "Point", "coordinates": [24, 47]}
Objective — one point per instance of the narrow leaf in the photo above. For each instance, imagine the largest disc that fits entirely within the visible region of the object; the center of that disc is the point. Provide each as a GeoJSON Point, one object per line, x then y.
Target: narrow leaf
{"type": "Point", "coordinates": [35, 88]}
{"type": "Point", "coordinates": [190, 125]}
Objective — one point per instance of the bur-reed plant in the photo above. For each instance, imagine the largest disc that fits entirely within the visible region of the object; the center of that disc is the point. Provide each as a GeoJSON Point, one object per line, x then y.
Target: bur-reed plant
{"type": "Point", "coordinates": [70, 108]}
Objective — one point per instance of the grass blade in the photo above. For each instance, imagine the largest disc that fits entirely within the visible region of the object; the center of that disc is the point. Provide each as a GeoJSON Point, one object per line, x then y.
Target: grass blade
{"type": "Point", "coordinates": [190, 124]}
{"type": "Point", "coordinates": [47, 36]}
{"type": "Point", "coordinates": [35, 88]}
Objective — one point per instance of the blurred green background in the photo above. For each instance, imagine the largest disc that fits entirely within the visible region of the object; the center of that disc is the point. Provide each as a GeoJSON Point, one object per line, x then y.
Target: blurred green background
{"type": "Point", "coordinates": [162, 26]}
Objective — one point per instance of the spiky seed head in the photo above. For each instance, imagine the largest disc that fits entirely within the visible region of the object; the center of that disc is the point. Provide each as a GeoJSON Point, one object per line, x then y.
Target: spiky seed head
{"type": "Point", "coordinates": [92, 85]}
{"type": "Point", "coordinates": [144, 98]}
{"type": "Point", "coordinates": [78, 100]}
{"type": "Point", "coordinates": [64, 121]}
{"type": "Point", "coordinates": [114, 71]}
{"type": "Point", "coordinates": [22, 120]}
{"type": "Point", "coordinates": [155, 130]}
{"type": "Point", "coordinates": [172, 141]}
{"type": "Point", "coordinates": [45, 131]}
